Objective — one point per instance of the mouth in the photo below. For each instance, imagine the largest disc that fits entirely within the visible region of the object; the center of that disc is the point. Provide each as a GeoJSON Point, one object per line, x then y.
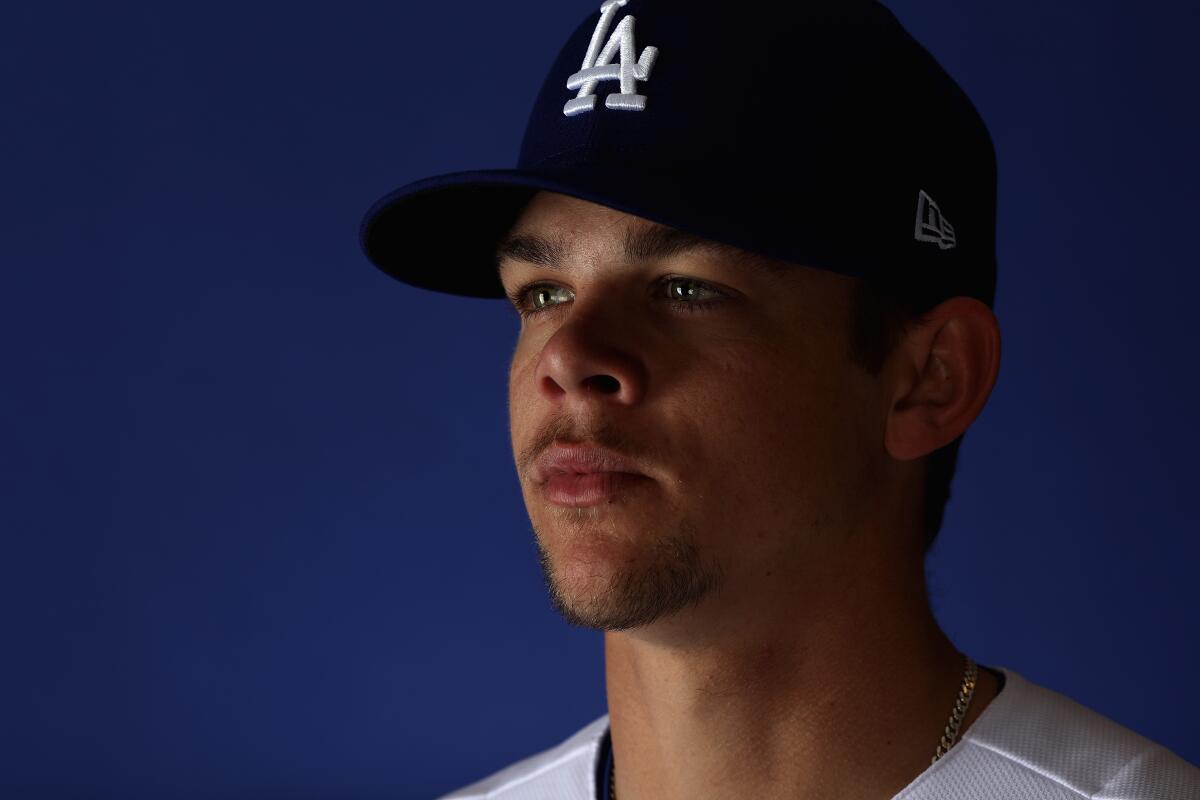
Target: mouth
{"type": "Point", "coordinates": [581, 489]}
{"type": "Point", "coordinates": [579, 475]}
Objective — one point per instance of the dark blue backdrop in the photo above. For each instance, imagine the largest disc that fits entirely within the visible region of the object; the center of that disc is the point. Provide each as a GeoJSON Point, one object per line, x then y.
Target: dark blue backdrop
{"type": "Point", "coordinates": [262, 536]}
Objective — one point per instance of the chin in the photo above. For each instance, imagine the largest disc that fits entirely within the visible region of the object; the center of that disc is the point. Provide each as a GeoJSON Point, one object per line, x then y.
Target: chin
{"type": "Point", "coordinates": [593, 584]}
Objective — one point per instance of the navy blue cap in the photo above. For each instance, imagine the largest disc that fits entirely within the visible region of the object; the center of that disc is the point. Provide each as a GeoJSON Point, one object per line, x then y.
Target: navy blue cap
{"type": "Point", "coordinates": [819, 133]}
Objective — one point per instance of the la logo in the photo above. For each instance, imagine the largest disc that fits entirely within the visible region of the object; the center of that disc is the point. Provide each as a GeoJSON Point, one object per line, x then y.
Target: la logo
{"type": "Point", "coordinates": [598, 66]}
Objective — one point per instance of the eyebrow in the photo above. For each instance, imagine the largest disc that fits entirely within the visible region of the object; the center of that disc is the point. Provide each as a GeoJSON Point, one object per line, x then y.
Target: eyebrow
{"type": "Point", "coordinates": [645, 244]}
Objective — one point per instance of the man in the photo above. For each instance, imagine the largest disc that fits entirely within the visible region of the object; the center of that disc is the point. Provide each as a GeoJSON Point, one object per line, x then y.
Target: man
{"type": "Point", "coordinates": [752, 249]}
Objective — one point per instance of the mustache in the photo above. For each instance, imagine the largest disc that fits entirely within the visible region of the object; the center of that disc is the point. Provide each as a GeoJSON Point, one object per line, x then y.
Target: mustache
{"type": "Point", "coordinates": [600, 432]}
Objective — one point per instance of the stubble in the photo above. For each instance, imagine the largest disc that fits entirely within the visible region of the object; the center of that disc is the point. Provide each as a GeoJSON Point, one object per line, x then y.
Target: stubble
{"type": "Point", "coordinates": [675, 576]}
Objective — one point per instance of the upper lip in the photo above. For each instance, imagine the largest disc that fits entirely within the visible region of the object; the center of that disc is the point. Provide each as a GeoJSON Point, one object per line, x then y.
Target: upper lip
{"type": "Point", "coordinates": [579, 459]}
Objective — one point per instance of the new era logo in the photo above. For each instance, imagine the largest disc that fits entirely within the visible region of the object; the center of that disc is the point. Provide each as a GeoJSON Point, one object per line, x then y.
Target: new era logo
{"type": "Point", "coordinates": [931, 225]}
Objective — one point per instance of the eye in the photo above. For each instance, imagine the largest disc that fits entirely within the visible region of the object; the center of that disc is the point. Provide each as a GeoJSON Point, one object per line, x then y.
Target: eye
{"type": "Point", "coordinates": [689, 294]}
{"type": "Point", "coordinates": [682, 294]}
{"type": "Point", "coordinates": [534, 297]}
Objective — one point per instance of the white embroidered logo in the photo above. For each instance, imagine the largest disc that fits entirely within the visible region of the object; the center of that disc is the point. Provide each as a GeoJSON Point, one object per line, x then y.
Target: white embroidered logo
{"type": "Point", "coordinates": [598, 66]}
{"type": "Point", "coordinates": [931, 225]}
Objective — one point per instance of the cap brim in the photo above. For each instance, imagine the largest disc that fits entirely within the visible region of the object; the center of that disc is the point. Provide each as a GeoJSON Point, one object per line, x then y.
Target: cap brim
{"type": "Point", "coordinates": [441, 233]}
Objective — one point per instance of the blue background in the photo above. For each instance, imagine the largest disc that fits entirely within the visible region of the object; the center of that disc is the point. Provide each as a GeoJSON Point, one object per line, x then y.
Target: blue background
{"type": "Point", "coordinates": [262, 536]}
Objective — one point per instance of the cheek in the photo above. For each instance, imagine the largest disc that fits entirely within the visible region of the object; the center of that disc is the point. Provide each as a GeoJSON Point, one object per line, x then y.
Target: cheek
{"type": "Point", "coordinates": [522, 367]}
{"type": "Point", "coordinates": [520, 387]}
{"type": "Point", "coordinates": [781, 442]}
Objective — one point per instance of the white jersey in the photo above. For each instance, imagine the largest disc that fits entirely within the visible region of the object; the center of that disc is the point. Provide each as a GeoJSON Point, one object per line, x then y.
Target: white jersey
{"type": "Point", "coordinates": [1030, 743]}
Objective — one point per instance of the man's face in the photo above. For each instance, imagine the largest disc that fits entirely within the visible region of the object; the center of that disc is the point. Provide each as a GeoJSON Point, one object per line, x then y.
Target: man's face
{"type": "Point", "coordinates": [727, 384]}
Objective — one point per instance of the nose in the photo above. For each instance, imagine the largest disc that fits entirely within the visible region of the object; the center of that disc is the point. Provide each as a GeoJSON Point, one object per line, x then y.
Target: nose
{"type": "Point", "coordinates": [589, 359]}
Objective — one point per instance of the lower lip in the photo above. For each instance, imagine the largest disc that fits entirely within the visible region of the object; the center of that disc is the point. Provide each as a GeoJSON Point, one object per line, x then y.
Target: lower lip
{"type": "Point", "coordinates": [588, 489]}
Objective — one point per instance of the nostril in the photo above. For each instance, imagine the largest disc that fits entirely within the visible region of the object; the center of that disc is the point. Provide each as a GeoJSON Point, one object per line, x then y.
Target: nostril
{"type": "Point", "coordinates": [605, 384]}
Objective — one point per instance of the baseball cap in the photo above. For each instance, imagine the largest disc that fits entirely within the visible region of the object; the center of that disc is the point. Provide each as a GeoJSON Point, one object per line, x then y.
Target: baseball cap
{"type": "Point", "coordinates": [818, 133]}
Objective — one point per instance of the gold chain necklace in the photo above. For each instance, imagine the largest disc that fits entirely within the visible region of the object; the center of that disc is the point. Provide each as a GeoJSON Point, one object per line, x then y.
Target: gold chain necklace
{"type": "Point", "coordinates": [948, 736]}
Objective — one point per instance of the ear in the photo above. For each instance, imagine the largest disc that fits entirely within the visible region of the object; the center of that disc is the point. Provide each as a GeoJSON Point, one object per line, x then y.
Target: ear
{"type": "Point", "coordinates": [941, 375]}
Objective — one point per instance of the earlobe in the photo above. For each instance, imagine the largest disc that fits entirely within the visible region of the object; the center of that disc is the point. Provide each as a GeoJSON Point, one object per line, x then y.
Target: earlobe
{"type": "Point", "coordinates": [945, 369]}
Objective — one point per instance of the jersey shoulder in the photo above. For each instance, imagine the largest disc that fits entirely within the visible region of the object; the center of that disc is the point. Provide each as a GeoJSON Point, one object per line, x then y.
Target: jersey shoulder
{"type": "Point", "coordinates": [1037, 744]}
{"type": "Point", "coordinates": [566, 771]}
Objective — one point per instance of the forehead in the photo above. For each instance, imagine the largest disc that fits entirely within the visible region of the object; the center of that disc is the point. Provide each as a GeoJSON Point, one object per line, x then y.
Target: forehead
{"type": "Point", "coordinates": [554, 229]}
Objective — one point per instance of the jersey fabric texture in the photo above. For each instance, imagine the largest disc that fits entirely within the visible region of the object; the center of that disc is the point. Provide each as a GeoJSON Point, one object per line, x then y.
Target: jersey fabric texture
{"type": "Point", "coordinates": [1030, 743]}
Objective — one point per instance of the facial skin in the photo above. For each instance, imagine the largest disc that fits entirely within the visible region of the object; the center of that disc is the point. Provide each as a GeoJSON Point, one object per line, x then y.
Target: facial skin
{"type": "Point", "coordinates": [762, 587]}
{"type": "Point", "coordinates": [760, 437]}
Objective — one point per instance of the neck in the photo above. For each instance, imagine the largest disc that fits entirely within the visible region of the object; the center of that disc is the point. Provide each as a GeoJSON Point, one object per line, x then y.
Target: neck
{"type": "Point", "coordinates": [838, 686]}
